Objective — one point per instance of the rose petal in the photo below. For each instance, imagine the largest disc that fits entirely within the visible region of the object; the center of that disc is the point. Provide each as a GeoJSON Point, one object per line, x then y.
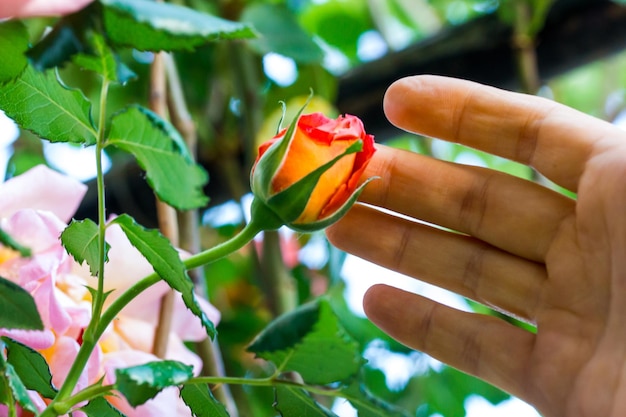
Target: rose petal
{"type": "Point", "coordinates": [60, 358]}
{"type": "Point", "coordinates": [35, 339]}
{"type": "Point", "coordinates": [186, 325]}
{"type": "Point", "coordinates": [53, 315]}
{"type": "Point", "coordinates": [138, 335]}
{"type": "Point", "coordinates": [29, 8]}
{"type": "Point", "coordinates": [125, 267]}
{"type": "Point", "coordinates": [37, 230]}
{"type": "Point", "coordinates": [41, 188]}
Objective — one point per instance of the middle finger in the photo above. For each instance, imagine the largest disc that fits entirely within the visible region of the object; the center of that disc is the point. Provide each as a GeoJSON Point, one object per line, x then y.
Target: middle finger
{"type": "Point", "coordinates": [515, 215]}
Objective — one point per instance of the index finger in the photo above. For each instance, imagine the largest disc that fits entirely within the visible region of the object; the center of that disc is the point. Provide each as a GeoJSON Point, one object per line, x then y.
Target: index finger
{"type": "Point", "coordinates": [554, 139]}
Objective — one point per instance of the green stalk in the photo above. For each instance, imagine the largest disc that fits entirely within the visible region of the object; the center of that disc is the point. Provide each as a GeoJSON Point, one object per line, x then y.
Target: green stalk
{"type": "Point", "coordinates": [94, 391]}
{"type": "Point", "coordinates": [99, 296]}
{"type": "Point", "coordinates": [11, 408]}
{"type": "Point", "coordinates": [210, 255]}
{"type": "Point", "coordinates": [203, 258]}
{"type": "Point", "coordinates": [89, 393]}
{"type": "Point", "coordinates": [272, 381]}
{"type": "Point", "coordinates": [89, 336]}
{"type": "Point", "coordinates": [226, 248]}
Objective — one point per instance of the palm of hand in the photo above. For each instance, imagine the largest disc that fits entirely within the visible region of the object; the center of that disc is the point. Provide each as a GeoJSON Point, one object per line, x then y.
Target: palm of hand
{"type": "Point", "coordinates": [581, 340]}
{"type": "Point", "coordinates": [523, 249]}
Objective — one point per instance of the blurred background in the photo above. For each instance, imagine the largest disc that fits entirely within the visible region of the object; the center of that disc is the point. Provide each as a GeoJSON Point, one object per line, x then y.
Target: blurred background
{"type": "Point", "coordinates": [347, 52]}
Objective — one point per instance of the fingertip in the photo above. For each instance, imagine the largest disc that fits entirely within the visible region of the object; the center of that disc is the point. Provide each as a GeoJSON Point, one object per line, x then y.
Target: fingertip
{"type": "Point", "coordinates": [395, 97]}
{"type": "Point", "coordinates": [371, 295]}
{"type": "Point", "coordinates": [400, 97]}
{"type": "Point", "coordinates": [375, 302]}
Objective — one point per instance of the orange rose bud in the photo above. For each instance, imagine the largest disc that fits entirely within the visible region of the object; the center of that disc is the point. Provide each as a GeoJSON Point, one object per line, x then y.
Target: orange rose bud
{"type": "Point", "coordinates": [308, 175]}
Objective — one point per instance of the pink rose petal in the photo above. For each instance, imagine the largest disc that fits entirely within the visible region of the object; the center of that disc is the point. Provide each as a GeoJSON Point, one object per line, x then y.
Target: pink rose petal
{"type": "Point", "coordinates": [30, 8]}
{"type": "Point", "coordinates": [40, 188]}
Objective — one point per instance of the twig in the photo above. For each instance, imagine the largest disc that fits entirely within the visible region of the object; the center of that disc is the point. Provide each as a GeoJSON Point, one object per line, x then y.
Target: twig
{"type": "Point", "coordinates": [209, 351]}
{"type": "Point", "coordinates": [279, 285]}
{"type": "Point", "coordinates": [166, 215]}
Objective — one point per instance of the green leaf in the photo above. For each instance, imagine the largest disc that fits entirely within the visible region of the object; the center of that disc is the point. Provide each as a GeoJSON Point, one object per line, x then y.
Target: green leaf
{"type": "Point", "coordinates": [15, 389]}
{"type": "Point", "coordinates": [67, 38]}
{"type": "Point", "coordinates": [312, 342]}
{"type": "Point", "coordinates": [103, 61]}
{"type": "Point", "coordinates": [9, 242]}
{"type": "Point", "coordinates": [99, 407]}
{"type": "Point", "coordinates": [368, 405]}
{"type": "Point", "coordinates": [201, 401]}
{"type": "Point", "coordinates": [166, 262]}
{"type": "Point", "coordinates": [281, 33]}
{"type": "Point", "coordinates": [80, 239]}
{"type": "Point", "coordinates": [153, 26]}
{"type": "Point", "coordinates": [295, 402]}
{"type": "Point", "coordinates": [39, 102]}
{"type": "Point", "coordinates": [13, 45]}
{"type": "Point", "coordinates": [28, 154]}
{"type": "Point", "coordinates": [31, 367]}
{"type": "Point", "coordinates": [161, 152]}
{"type": "Point", "coordinates": [17, 308]}
{"type": "Point", "coordinates": [338, 23]}
{"type": "Point", "coordinates": [445, 391]}
{"type": "Point", "coordinates": [143, 382]}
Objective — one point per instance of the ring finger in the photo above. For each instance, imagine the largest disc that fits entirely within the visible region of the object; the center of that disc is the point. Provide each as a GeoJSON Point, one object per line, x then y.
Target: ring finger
{"type": "Point", "coordinates": [459, 263]}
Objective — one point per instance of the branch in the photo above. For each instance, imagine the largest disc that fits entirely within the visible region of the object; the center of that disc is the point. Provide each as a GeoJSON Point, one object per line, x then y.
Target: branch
{"type": "Point", "coordinates": [166, 215]}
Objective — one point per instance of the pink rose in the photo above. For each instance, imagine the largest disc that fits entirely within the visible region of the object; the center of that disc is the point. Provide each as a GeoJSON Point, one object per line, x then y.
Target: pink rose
{"type": "Point", "coordinates": [34, 209]}
{"type": "Point", "coordinates": [32, 8]}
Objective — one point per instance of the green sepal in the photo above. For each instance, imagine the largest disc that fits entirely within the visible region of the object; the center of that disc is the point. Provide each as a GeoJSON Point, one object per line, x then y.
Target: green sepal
{"type": "Point", "coordinates": [264, 217]}
{"type": "Point", "coordinates": [327, 221]}
{"type": "Point", "coordinates": [269, 163]}
{"type": "Point", "coordinates": [291, 202]}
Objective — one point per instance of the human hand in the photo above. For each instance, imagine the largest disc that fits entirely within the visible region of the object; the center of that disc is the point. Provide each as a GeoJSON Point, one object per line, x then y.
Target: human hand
{"type": "Point", "coordinates": [522, 249]}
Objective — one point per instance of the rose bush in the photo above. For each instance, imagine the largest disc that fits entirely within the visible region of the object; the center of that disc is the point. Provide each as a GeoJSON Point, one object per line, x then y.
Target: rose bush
{"type": "Point", "coordinates": [309, 174]}
{"type": "Point", "coordinates": [34, 209]}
